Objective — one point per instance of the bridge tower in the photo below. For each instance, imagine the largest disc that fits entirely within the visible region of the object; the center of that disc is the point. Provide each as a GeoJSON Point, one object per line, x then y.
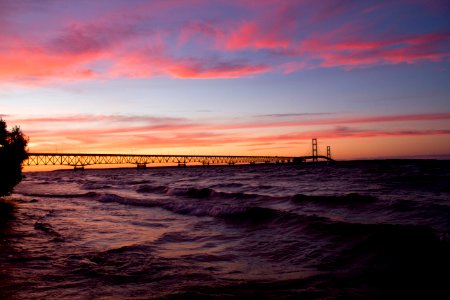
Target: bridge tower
{"type": "Point", "coordinates": [314, 150]}
{"type": "Point", "coordinates": [329, 151]}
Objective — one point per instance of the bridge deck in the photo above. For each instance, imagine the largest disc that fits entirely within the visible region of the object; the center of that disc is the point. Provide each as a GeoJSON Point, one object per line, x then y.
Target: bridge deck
{"type": "Point", "coordinates": [70, 159]}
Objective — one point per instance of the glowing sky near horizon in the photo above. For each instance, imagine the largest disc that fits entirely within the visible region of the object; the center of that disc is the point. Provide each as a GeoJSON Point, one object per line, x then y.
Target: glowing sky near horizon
{"type": "Point", "coordinates": [369, 78]}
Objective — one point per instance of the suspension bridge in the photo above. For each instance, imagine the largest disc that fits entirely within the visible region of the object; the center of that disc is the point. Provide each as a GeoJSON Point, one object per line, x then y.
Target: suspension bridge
{"type": "Point", "coordinates": [79, 161]}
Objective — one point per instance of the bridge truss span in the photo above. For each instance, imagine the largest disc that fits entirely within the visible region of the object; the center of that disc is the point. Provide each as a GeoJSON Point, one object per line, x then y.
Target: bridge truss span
{"type": "Point", "coordinates": [141, 160]}
{"type": "Point", "coordinates": [81, 160]}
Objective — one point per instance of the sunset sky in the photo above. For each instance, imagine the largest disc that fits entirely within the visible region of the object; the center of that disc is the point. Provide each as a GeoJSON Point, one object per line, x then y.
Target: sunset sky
{"type": "Point", "coordinates": [369, 78]}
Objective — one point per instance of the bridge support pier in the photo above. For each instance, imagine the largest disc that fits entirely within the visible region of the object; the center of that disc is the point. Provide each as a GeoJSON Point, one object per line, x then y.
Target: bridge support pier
{"type": "Point", "coordinates": [298, 160]}
{"type": "Point", "coordinates": [181, 164]}
{"type": "Point", "coordinates": [76, 168]}
{"type": "Point", "coordinates": [141, 166]}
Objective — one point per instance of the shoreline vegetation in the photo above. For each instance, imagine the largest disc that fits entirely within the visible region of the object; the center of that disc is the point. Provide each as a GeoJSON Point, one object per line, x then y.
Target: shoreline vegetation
{"type": "Point", "coordinates": [13, 151]}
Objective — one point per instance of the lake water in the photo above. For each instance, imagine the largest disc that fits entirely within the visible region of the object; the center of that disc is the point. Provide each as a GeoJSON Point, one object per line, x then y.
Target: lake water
{"type": "Point", "coordinates": [349, 230]}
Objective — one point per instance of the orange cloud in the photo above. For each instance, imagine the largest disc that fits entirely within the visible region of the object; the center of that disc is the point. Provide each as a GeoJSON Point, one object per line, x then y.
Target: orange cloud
{"type": "Point", "coordinates": [93, 141]}
{"type": "Point", "coordinates": [109, 133]}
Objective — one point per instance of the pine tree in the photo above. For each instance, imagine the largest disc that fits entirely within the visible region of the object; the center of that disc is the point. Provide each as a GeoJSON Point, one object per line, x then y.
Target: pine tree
{"type": "Point", "coordinates": [13, 151]}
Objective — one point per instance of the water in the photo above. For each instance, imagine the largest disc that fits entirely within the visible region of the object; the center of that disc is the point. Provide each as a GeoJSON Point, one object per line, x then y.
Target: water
{"type": "Point", "coordinates": [351, 230]}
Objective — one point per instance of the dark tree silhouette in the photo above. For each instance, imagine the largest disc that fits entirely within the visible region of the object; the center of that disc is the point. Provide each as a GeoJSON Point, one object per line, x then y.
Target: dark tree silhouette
{"type": "Point", "coordinates": [13, 151]}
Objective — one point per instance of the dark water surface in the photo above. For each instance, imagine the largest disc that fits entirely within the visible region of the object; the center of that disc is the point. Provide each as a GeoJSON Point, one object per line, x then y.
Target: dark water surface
{"type": "Point", "coordinates": [351, 230]}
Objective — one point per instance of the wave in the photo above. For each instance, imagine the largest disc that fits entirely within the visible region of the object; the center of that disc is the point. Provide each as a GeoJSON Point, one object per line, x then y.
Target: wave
{"type": "Point", "coordinates": [197, 193]}
{"type": "Point", "coordinates": [248, 213]}
{"type": "Point", "coordinates": [95, 186]}
{"type": "Point", "coordinates": [147, 189]}
{"type": "Point", "coordinates": [68, 195]}
{"type": "Point", "coordinates": [127, 201]}
{"type": "Point", "coordinates": [228, 185]}
{"type": "Point", "coordinates": [198, 209]}
{"type": "Point", "coordinates": [133, 182]}
{"type": "Point", "coordinates": [233, 212]}
{"type": "Point", "coordinates": [48, 229]}
{"type": "Point", "coordinates": [203, 193]}
{"type": "Point", "coordinates": [252, 213]}
{"type": "Point", "coordinates": [348, 199]}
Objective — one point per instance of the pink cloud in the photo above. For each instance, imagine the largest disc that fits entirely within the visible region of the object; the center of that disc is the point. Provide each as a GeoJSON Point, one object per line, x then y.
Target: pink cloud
{"type": "Point", "coordinates": [157, 63]}
{"type": "Point", "coordinates": [386, 118]}
{"type": "Point", "coordinates": [230, 39]}
{"type": "Point", "coordinates": [250, 35]}
{"type": "Point", "coordinates": [357, 51]}
{"type": "Point", "coordinates": [217, 70]}
{"type": "Point", "coordinates": [28, 64]}
{"type": "Point", "coordinates": [335, 121]}
{"type": "Point", "coordinates": [142, 124]}
{"type": "Point", "coordinates": [339, 132]}
{"type": "Point", "coordinates": [86, 118]}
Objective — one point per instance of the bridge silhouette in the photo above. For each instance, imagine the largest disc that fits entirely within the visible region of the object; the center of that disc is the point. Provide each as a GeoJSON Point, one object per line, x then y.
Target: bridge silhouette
{"type": "Point", "coordinates": [79, 161]}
